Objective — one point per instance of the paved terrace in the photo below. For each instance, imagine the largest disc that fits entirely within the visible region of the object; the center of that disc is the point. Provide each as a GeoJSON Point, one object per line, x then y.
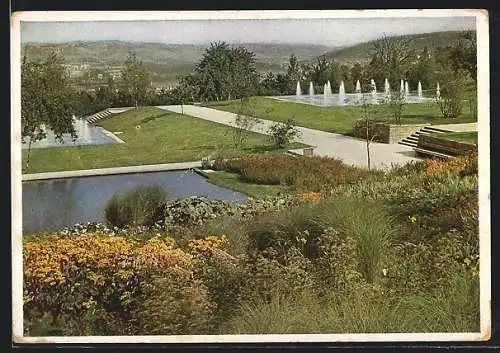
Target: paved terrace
{"type": "Point", "coordinates": [351, 150]}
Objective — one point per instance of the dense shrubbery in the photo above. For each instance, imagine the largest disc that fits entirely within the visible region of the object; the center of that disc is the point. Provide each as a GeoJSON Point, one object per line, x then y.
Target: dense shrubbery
{"type": "Point", "coordinates": [304, 174]}
{"type": "Point", "coordinates": [395, 252]}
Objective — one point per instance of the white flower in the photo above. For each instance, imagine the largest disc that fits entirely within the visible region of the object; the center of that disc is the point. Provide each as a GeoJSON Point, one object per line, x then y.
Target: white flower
{"type": "Point", "coordinates": [384, 271]}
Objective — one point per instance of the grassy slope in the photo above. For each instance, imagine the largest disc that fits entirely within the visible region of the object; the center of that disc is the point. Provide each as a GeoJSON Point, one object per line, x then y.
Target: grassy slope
{"type": "Point", "coordinates": [163, 137]}
{"type": "Point", "coordinates": [361, 52]}
{"type": "Point", "coordinates": [336, 119]}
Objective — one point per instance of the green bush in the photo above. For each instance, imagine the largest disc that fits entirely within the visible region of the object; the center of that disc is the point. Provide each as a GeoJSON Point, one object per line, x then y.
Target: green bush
{"type": "Point", "coordinates": [142, 206]}
{"type": "Point", "coordinates": [359, 129]}
{"type": "Point", "coordinates": [283, 133]}
{"type": "Point", "coordinates": [451, 96]}
{"type": "Point", "coordinates": [281, 231]}
{"type": "Point", "coordinates": [266, 274]}
{"type": "Point", "coordinates": [223, 280]}
{"type": "Point", "coordinates": [337, 268]}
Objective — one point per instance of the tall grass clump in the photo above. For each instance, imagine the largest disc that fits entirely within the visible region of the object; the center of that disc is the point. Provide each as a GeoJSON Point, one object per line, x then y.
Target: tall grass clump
{"type": "Point", "coordinates": [280, 315]}
{"type": "Point", "coordinates": [452, 308]}
{"type": "Point", "coordinates": [142, 206]}
{"type": "Point", "coordinates": [368, 224]}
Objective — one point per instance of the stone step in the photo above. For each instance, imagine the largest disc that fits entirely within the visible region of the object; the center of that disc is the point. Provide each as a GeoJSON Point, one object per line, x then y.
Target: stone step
{"type": "Point", "coordinates": [432, 130]}
{"type": "Point", "coordinates": [432, 153]}
{"type": "Point", "coordinates": [408, 143]}
{"type": "Point", "coordinates": [412, 138]}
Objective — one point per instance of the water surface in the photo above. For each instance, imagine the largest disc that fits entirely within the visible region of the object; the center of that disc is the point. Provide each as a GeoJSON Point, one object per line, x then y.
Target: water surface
{"type": "Point", "coordinates": [54, 204]}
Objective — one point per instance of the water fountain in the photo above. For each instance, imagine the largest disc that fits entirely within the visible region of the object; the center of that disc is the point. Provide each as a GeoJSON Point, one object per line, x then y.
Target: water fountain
{"type": "Point", "coordinates": [358, 90]}
{"type": "Point", "coordinates": [342, 92]}
{"type": "Point", "coordinates": [86, 130]}
{"type": "Point", "coordinates": [374, 91]}
{"type": "Point", "coordinates": [438, 93]}
{"type": "Point", "coordinates": [298, 91]}
{"type": "Point", "coordinates": [326, 98]}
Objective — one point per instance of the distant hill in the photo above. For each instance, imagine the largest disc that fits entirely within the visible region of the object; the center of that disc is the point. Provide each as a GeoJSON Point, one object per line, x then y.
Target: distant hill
{"type": "Point", "coordinates": [166, 61]}
{"type": "Point", "coordinates": [361, 52]}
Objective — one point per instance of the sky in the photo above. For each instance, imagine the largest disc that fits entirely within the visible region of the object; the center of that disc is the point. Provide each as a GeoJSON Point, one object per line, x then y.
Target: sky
{"type": "Point", "coordinates": [330, 32]}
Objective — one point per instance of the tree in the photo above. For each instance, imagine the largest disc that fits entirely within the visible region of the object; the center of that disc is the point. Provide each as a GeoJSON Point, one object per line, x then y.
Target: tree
{"type": "Point", "coordinates": [452, 89]}
{"type": "Point", "coordinates": [46, 101]}
{"type": "Point", "coordinates": [225, 73]}
{"type": "Point", "coordinates": [244, 123]}
{"type": "Point", "coordinates": [135, 79]}
{"type": "Point", "coordinates": [293, 73]}
{"type": "Point", "coordinates": [390, 57]}
{"type": "Point", "coordinates": [184, 92]}
{"type": "Point", "coordinates": [397, 104]}
{"type": "Point", "coordinates": [367, 123]}
{"type": "Point", "coordinates": [464, 54]}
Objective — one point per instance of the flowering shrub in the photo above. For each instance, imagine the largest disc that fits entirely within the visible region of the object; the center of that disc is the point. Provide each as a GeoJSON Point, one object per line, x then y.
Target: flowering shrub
{"type": "Point", "coordinates": [75, 275]}
{"type": "Point", "coordinates": [461, 164]}
{"type": "Point", "coordinates": [311, 196]}
{"type": "Point", "coordinates": [207, 244]}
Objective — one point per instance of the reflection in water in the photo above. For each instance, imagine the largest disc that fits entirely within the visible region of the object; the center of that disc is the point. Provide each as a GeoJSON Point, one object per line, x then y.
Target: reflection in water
{"type": "Point", "coordinates": [54, 204]}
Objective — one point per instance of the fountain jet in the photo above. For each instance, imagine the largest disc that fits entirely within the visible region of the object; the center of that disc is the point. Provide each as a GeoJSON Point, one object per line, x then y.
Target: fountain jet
{"type": "Point", "coordinates": [374, 91]}
{"type": "Point", "coordinates": [329, 88]}
{"type": "Point", "coordinates": [358, 90]}
{"type": "Point", "coordinates": [311, 89]}
{"type": "Point", "coordinates": [341, 92]}
{"type": "Point", "coordinates": [419, 90]}
{"type": "Point", "coordinates": [387, 89]}
{"type": "Point", "coordinates": [298, 91]}
{"type": "Point", "coordinates": [438, 93]}
{"type": "Point", "coordinates": [407, 90]}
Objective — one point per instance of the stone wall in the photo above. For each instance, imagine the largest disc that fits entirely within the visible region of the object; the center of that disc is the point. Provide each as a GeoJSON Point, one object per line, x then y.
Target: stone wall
{"type": "Point", "coordinates": [389, 133]}
{"type": "Point", "coordinates": [442, 145]}
{"type": "Point", "coordinates": [399, 132]}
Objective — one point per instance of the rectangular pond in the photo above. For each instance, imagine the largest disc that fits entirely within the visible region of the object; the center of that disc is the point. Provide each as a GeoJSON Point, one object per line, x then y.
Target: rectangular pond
{"type": "Point", "coordinates": [88, 134]}
{"type": "Point", "coordinates": [54, 204]}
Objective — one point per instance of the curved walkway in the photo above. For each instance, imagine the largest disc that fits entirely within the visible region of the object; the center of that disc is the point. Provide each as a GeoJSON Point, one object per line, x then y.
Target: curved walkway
{"type": "Point", "coordinates": [351, 150]}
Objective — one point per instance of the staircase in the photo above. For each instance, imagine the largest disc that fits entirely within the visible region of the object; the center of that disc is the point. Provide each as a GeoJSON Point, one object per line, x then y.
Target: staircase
{"type": "Point", "coordinates": [98, 116]}
{"type": "Point", "coordinates": [412, 141]}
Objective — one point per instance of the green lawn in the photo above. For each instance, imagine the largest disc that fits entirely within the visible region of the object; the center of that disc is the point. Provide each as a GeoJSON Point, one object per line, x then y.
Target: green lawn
{"type": "Point", "coordinates": [465, 137]}
{"type": "Point", "coordinates": [336, 119]}
{"type": "Point", "coordinates": [231, 181]}
{"type": "Point", "coordinates": [164, 137]}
